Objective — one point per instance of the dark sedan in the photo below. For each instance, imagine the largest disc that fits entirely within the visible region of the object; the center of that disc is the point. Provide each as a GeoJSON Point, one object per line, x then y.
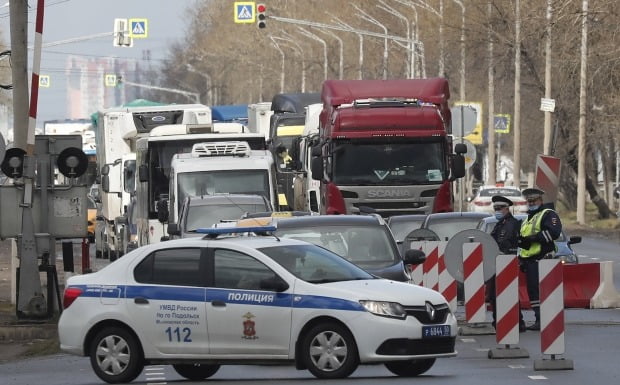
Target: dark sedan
{"type": "Point", "coordinates": [364, 240]}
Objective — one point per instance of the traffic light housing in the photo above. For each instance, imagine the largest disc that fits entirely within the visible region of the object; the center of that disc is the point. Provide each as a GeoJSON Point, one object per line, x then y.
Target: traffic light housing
{"type": "Point", "coordinates": [261, 17]}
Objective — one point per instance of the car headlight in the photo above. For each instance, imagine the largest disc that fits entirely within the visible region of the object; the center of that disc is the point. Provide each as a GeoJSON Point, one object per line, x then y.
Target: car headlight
{"type": "Point", "coordinates": [385, 309]}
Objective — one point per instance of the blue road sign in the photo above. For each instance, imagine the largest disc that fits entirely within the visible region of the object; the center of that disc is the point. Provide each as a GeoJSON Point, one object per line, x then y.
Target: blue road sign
{"type": "Point", "coordinates": [244, 12]}
{"type": "Point", "coordinates": [501, 123]}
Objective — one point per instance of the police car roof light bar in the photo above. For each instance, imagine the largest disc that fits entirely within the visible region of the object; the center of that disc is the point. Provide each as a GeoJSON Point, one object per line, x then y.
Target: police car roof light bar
{"type": "Point", "coordinates": [214, 232]}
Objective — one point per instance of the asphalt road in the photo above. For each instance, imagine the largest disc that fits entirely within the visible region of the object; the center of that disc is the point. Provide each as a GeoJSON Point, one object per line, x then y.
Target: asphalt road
{"type": "Point", "coordinates": [590, 342]}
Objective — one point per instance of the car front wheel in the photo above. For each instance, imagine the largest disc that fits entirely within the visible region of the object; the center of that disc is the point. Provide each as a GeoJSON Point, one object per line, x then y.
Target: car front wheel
{"type": "Point", "coordinates": [195, 372]}
{"type": "Point", "coordinates": [410, 368]}
{"type": "Point", "coordinates": [116, 356]}
{"type": "Point", "coordinates": [329, 351]}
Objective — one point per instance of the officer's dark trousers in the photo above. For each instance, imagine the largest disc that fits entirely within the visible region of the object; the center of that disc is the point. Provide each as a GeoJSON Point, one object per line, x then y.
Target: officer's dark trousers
{"type": "Point", "coordinates": [531, 274]}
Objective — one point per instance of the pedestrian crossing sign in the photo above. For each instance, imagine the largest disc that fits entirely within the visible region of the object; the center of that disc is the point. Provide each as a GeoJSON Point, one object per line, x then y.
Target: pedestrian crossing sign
{"type": "Point", "coordinates": [138, 28]}
{"type": "Point", "coordinates": [501, 123]}
{"type": "Point", "coordinates": [44, 81]}
{"type": "Point", "coordinates": [110, 80]}
{"type": "Point", "coordinates": [244, 12]}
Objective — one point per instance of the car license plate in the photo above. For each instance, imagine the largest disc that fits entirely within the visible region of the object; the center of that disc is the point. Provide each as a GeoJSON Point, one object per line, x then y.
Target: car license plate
{"type": "Point", "coordinates": [435, 331]}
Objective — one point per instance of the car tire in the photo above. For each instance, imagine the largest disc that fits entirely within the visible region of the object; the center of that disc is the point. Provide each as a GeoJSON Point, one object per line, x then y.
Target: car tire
{"type": "Point", "coordinates": [410, 368]}
{"type": "Point", "coordinates": [115, 355]}
{"type": "Point", "coordinates": [329, 351]}
{"type": "Point", "coordinates": [195, 372]}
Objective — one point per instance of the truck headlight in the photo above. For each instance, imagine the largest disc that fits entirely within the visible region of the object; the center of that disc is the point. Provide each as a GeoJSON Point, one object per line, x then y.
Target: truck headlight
{"type": "Point", "coordinates": [385, 309]}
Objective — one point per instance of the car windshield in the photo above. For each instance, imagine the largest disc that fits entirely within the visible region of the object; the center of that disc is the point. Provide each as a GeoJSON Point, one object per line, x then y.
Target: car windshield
{"type": "Point", "coordinates": [366, 246]}
{"type": "Point", "coordinates": [315, 264]}
{"type": "Point", "coordinates": [446, 228]}
{"type": "Point", "coordinates": [204, 216]}
{"type": "Point", "coordinates": [402, 228]}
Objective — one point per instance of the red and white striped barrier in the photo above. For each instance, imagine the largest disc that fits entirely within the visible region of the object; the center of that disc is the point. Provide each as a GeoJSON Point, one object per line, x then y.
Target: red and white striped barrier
{"type": "Point", "coordinates": [507, 299]}
{"type": "Point", "coordinates": [447, 284]}
{"type": "Point", "coordinates": [586, 285]}
{"type": "Point", "coordinates": [550, 278]}
{"type": "Point", "coordinates": [473, 281]}
{"type": "Point", "coordinates": [416, 275]}
{"type": "Point", "coordinates": [551, 306]}
{"type": "Point", "coordinates": [431, 265]}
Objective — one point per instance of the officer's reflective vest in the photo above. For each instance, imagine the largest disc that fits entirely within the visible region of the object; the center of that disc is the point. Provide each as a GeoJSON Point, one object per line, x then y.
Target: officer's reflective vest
{"type": "Point", "coordinates": [529, 227]}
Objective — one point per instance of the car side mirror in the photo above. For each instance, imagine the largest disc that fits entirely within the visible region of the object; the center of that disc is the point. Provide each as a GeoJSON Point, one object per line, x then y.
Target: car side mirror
{"type": "Point", "coordinates": [574, 239]}
{"type": "Point", "coordinates": [414, 257]}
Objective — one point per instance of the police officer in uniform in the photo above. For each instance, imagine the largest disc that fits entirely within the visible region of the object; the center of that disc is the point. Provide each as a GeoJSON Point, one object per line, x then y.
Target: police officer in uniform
{"type": "Point", "coordinates": [536, 241]}
{"type": "Point", "coordinates": [506, 234]}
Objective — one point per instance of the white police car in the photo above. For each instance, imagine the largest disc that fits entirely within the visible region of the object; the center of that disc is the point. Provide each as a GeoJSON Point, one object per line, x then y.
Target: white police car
{"type": "Point", "coordinates": [201, 303]}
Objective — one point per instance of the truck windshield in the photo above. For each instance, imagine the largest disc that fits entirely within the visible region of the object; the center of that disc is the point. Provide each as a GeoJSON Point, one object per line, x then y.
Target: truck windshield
{"type": "Point", "coordinates": [205, 216]}
{"type": "Point", "coordinates": [394, 164]}
{"type": "Point", "coordinates": [255, 182]}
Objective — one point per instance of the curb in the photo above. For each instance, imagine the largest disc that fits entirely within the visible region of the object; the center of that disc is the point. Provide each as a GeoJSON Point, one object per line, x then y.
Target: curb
{"type": "Point", "coordinates": [12, 333]}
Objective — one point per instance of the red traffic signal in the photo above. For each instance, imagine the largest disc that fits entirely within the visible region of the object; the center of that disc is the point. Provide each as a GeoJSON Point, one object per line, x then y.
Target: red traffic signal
{"type": "Point", "coordinates": [260, 15]}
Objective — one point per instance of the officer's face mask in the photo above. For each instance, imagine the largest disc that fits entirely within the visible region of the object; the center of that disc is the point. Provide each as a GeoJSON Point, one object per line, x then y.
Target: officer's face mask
{"type": "Point", "coordinates": [532, 205]}
{"type": "Point", "coordinates": [499, 215]}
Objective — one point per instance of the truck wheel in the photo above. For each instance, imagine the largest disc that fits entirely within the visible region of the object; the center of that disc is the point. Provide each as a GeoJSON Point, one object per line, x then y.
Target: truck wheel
{"type": "Point", "coordinates": [329, 351]}
{"type": "Point", "coordinates": [115, 355]}
{"type": "Point", "coordinates": [410, 368]}
{"type": "Point", "coordinates": [195, 372]}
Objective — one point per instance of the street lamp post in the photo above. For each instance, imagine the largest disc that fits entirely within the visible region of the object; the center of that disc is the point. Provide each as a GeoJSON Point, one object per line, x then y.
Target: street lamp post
{"type": "Point", "coordinates": [277, 47]}
{"type": "Point", "coordinates": [309, 34]}
{"type": "Point", "coordinates": [364, 15]}
{"type": "Point", "coordinates": [340, 51]}
{"type": "Point", "coordinates": [360, 68]}
{"type": "Point", "coordinates": [415, 41]}
{"type": "Point", "coordinates": [410, 44]}
{"type": "Point", "coordinates": [208, 81]}
{"type": "Point", "coordinates": [297, 48]}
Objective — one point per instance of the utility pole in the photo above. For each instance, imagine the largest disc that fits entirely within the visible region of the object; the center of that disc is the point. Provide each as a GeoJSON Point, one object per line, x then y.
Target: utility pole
{"type": "Point", "coordinates": [492, 178]}
{"type": "Point", "coordinates": [547, 125]}
{"type": "Point", "coordinates": [19, 70]}
{"type": "Point", "coordinates": [516, 164]}
{"type": "Point", "coordinates": [581, 157]}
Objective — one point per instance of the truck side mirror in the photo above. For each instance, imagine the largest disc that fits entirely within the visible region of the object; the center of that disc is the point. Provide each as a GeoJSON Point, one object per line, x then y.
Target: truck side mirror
{"type": "Point", "coordinates": [316, 167]}
{"type": "Point", "coordinates": [458, 167]}
{"type": "Point", "coordinates": [143, 173]}
{"type": "Point", "coordinates": [105, 183]}
{"type": "Point", "coordinates": [173, 229]}
{"type": "Point", "coordinates": [460, 148]}
{"type": "Point", "coordinates": [316, 151]}
{"type": "Point", "coordinates": [105, 170]}
{"type": "Point", "coordinates": [162, 211]}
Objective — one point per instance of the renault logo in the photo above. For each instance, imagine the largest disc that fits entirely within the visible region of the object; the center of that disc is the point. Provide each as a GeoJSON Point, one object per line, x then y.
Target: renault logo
{"type": "Point", "coordinates": [430, 310]}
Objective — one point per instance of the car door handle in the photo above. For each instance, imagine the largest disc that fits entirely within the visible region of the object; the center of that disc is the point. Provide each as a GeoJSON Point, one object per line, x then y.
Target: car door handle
{"type": "Point", "coordinates": [140, 300]}
{"type": "Point", "coordinates": [218, 303]}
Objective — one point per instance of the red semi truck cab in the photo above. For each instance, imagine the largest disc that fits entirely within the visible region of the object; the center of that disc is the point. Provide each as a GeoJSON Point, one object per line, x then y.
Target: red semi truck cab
{"type": "Point", "coordinates": [386, 145]}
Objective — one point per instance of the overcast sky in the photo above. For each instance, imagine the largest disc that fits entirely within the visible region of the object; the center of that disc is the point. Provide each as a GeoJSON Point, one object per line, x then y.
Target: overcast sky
{"type": "Point", "coordinates": [68, 19]}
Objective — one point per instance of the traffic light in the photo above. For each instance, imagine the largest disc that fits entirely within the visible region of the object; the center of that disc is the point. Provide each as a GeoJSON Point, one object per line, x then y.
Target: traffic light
{"type": "Point", "coordinates": [260, 15]}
